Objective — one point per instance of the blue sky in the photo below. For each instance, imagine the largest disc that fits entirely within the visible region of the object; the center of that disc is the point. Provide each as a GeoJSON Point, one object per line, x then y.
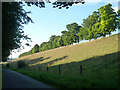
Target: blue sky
{"type": "Point", "coordinates": [51, 21]}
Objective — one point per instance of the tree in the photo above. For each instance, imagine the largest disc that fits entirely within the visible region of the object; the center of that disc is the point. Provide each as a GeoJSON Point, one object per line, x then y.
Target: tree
{"type": "Point", "coordinates": [89, 25]}
{"type": "Point", "coordinates": [36, 48]}
{"type": "Point", "coordinates": [56, 42]}
{"type": "Point", "coordinates": [12, 25]}
{"type": "Point", "coordinates": [60, 40]}
{"type": "Point", "coordinates": [83, 33]}
{"type": "Point", "coordinates": [118, 19]}
{"type": "Point", "coordinates": [108, 19]}
{"type": "Point", "coordinates": [73, 28]}
{"type": "Point", "coordinates": [52, 38]}
{"type": "Point", "coordinates": [95, 31]}
{"type": "Point", "coordinates": [66, 38]}
{"type": "Point", "coordinates": [65, 4]}
{"type": "Point", "coordinates": [94, 25]}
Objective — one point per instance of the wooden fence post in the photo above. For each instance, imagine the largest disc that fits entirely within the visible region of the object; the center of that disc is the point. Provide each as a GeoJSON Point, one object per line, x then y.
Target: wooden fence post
{"type": "Point", "coordinates": [39, 68]}
{"type": "Point", "coordinates": [28, 66]}
{"type": "Point", "coordinates": [59, 69]}
{"type": "Point", "coordinates": [32, 68]}
{"type": "Point", "coordinates": [81, 69]}
{"type": "Point", "coordinates": [47, 68]}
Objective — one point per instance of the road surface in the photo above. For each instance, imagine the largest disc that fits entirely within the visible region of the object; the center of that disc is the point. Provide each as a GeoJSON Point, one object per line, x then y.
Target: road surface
{"type": "Point", "coordinates": [14, 79]}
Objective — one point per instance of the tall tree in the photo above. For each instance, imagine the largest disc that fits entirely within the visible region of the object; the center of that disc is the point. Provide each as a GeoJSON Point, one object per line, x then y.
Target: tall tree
{"type": "Point", "coordinates": [36, 48]}
{"type": "Point", "coordinates": [52, 38]}
{"type": "Point", "coordinates": [108, 19]}
{"type": "Point", "coordinates": [89, 25]}
{"type": "Point", "coordinates": [73, 29]}
{"type": "Point", "coordinates": [12, 25]}
{"type": "Point", "coordinates": [94, 25]}
{"type": "Point", "coordinates": [83, 33]}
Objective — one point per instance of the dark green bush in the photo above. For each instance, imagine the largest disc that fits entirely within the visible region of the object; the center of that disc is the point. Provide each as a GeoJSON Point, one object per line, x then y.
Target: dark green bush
{"type": "Point", "coordinates": [21, 64]}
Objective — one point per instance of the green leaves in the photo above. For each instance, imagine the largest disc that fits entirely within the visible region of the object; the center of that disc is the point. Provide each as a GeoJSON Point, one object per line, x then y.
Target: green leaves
{"type": "Point", "coordinates": [108, 19]}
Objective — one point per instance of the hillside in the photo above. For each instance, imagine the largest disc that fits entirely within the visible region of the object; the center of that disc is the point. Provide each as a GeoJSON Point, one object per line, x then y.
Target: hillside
{"type": "Point", "coordinates": [98, 59]}
{"type": "Point", "coordinates": [74, 53]}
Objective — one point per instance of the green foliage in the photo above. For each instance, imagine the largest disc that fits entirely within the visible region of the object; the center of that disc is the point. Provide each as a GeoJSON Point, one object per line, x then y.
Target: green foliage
{"type": "Point", "coordinates": [90, 27]}
{"type": "Point", "coordinates": [21, 64]}
{"type": "Point", "coordinates": [118, 19]}
{"type": "Point", "coordinates": [83, 33]}
{"type": "Point", "coordinates": [73, 30]}
{"type": "Point", "coordinates": [108, 19]}
{"type": "Point", "coordinates": [35, 48]}
{"type": "Point", "coordinates": [66, 4]}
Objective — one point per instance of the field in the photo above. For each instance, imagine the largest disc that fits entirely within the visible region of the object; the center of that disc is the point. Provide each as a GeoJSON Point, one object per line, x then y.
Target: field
{"type": "Point", "coordinates": [91, 64]}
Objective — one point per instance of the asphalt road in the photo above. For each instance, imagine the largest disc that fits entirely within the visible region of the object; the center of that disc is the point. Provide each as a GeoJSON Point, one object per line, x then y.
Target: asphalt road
{"type": "Point", "coordinates": [14, 79]}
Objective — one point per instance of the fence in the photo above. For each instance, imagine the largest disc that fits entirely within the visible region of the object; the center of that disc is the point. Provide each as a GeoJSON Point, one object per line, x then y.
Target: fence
{"type": "Point", "coordinates": [60, 69]}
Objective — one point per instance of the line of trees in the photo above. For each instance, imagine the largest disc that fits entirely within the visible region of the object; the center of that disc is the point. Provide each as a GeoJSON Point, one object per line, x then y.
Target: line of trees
{"type": "Point", "coordinates": [100, 23]}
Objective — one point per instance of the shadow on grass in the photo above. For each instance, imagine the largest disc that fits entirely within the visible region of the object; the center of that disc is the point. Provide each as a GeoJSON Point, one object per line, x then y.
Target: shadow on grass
{"type": "Point", "coordinates": [108, 58]}
{"type": "Point", "coordinates": [56, 60]}
{"type": "Point", "coordinates": [96, 64]}
{"type": "Point", "coordinates": [89, 79]}
{"type": "Point", "coordinates": [38, 60]}
{"type": "Point", "coordinates": [43, 66]}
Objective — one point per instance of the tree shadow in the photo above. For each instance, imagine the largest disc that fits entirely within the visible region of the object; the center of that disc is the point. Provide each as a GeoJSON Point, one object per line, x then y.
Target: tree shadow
{"type": "Point", "coordinates": [56, 60]}
{"type": "Point", "coordinates": [97, 62]}
{"type": "Point", "coordinates": [38, 60]}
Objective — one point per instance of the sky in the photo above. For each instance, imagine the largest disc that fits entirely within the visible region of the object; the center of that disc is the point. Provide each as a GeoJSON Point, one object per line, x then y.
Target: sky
{"type": "Point", "coordinates": [51, 21]}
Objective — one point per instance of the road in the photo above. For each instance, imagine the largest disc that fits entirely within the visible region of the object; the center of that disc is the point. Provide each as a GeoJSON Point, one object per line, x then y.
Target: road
{"type": "Point", "coordinates": [14, 79]}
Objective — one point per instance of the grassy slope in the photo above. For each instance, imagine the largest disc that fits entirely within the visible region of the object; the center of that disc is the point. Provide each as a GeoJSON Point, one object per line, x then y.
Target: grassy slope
{"type": "Point", "coordinates": [76, 53]}
{"type": "Point", "coordinates": [98, 59]}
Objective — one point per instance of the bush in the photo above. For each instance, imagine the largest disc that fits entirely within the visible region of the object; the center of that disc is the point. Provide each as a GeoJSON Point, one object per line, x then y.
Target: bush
{"type": "Point", "coordinates": [21, 64]}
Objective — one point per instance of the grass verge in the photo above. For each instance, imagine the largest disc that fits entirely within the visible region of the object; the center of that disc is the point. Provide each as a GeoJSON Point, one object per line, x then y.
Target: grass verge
{"type": "Point", "coordinates": [70, 81]}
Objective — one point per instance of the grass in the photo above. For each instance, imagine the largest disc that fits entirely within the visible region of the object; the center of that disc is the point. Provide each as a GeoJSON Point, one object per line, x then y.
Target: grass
{"type": "Point", "coordinates": [76, 53]}
{"type": "Point", "coordinates": [98, 58]}
{"type": "Point", "coordinates": [98, 72]}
